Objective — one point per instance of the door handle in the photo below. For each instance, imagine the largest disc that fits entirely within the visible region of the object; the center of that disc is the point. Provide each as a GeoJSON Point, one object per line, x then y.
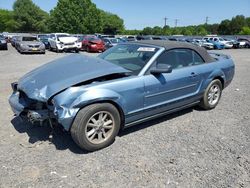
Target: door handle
{"type": "Point", "coordinates": [193, 75]}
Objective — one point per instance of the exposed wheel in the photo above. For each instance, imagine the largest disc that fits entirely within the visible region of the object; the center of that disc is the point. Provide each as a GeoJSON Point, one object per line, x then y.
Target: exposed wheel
{"type": "Point", "coordinates": [96, 126]}
{"type": "Point", "coordinates": [50, 49]}
{"type": "Point", "coordinates": [212, 95]}
{"type": "Point", "coordinates": [57, 50]}
{"type": "Point", "coordinates": [77, 50]}
{"type": "Point", "coordinates": [88, 49]}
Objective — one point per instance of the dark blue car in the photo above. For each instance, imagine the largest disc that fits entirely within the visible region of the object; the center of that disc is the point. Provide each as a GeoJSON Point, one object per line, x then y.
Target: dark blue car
{"type": "Point", "coordinates": [94, 98]}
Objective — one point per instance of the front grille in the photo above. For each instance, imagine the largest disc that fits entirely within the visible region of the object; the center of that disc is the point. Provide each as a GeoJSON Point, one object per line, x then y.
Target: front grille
{"type": "Point", "coordinates": [33, 46]}
{"type": "Point", "coordinates": [68, 44]}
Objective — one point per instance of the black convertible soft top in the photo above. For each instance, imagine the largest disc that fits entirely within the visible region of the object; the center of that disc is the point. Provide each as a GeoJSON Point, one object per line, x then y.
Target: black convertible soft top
{"type": "Point", "coordinates": [168, 45]}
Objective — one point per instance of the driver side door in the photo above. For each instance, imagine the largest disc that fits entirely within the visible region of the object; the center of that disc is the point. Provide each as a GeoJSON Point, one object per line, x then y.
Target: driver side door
{"type": "Point", "coordinates": [166, 91]}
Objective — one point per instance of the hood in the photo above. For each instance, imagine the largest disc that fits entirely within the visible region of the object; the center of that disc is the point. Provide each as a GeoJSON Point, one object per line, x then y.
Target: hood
{"type": "Point", "coordinates": [31, 42]}
{"type": "Point", "coordinates": [96, 42]}
{"type": "Point", "coordinates": [51, 78]}
{"type": "Point", "coordinates": [68, 39]}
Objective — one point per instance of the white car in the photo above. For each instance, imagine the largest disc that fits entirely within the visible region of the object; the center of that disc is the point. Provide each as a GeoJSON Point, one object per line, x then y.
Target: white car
{"type": "Point", "coordinates": [228, 44]}
{"type": "Point", "coordinates": [203, 43]}
{"type": "Point", "coordinates": [64, 42]}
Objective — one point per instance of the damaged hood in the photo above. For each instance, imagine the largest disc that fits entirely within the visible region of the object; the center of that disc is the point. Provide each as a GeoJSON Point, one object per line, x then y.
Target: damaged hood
{"type": "Point", "coordinates": [51, 78]}
{"type": "Point", "coordinates": [68, 39]}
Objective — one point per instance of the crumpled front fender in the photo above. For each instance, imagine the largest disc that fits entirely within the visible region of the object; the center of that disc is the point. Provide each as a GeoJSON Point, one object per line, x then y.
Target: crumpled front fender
{"type": "Point", "coordinates": [69, 102]}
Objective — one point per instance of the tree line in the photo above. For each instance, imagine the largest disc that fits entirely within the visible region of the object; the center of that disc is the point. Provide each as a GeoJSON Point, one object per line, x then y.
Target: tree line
{"type": "Point", "coordinates": [82, 16]}
{"type": "Point", "coordinates": [238, 25]}
{"type": "Point", "coordinates": [71, 16]}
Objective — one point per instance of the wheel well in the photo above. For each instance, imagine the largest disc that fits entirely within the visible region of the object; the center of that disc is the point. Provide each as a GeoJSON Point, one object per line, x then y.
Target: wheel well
{"type": "Point", "coordinates": [117, 107]}
{"type": "Point", "coordinates": [221, 80]}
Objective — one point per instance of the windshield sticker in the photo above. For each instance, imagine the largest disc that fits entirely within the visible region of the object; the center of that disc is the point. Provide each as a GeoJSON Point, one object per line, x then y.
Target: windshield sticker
{"type": "Point", "coordinates": [146, 49]}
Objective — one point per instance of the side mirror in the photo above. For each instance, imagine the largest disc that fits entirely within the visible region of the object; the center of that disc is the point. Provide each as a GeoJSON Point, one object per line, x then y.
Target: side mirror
{"type": "Point", "coordinates": [161, 68]}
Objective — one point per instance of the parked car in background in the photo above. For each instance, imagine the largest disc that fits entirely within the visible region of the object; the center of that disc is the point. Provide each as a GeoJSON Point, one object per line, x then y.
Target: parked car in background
{"type": "Point", "coordinates": [110, 42]}
{"type": "Point", "coordinates": [44, 38]}
{"type": "Point", "coordinates": [150, 37]}
{"type": "Point", "coordinates": [217, 44]}
{"type": "Point", "coordinates": [220, 40]}
{"type": "Point", "coordinates": [64, 42]}
{"type": "Point", "coordinates": [91, 43]}
{"type": "Point", "coordinates": [3, 43]}
{"type": "Point", "coordinates": [29, 44]}
{"type": "Point", "coordinates": [203, 43]}
{"type": "Point", "coordinates": [95, 98]}
{"type": "Point", "coordinates": [122, 39]}
{"type": "Point", "coordinates": [244, 43]}
{"type": "Point", "coordinates": [13, 40]}
{"type": "Point", "coordinates": [131, 38]}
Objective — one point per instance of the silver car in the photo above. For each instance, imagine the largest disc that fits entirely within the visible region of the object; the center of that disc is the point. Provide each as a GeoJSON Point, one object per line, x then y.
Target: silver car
{"type": "Point", "coordinates": [29, 44]}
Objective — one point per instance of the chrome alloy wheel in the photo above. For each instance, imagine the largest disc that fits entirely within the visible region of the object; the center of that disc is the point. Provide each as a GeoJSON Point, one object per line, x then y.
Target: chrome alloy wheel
{"type": "Point", "coordinates": [214, 94]}
{"type": "Point", "coordinates": [99, 127]}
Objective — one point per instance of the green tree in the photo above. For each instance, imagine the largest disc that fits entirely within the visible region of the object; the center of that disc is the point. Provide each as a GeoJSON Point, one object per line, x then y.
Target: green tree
{"type": "Point", "coordinates": [200, 30]}
{"type": "Point", "coordinates": [245, 31]}
{"type": "Point", "coordinates": [7, 22]}
{"type": "Point", "coordinates": [248, 21]}
{"type": "Point", "coordinates": [112, 24]}
{"type": "Point", "coordinates": [157, 30]}
{"type": "Point", "coordinates": [75, 16]}
{"type": "Point", "coordinates": [29, 17]}
{"type": "Point", "coordinates": [237, 23]}
{"type": "Point", "coordinates": [147, 31]}
{"type": "Point", "coordinates": [225, 27]}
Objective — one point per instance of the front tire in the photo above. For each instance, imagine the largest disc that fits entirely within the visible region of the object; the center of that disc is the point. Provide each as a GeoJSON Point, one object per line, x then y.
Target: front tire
{"type": "Point", "coordinates": [96, 126]}
{"type": "Point", "coordinates": [212, 95]}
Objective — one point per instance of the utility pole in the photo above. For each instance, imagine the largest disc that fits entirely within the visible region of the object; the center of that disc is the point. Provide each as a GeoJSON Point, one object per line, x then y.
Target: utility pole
{"type": "Point", "coordinates": [207, 19]}
{"type": "Point", "coordinates": [165, 21]}
{"type": "Point", "coordinates": [176, 22]}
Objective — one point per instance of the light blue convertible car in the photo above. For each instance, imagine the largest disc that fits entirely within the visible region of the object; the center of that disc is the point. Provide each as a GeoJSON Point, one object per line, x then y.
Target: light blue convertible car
{"type": "Point", "coordinates": [94, 98]}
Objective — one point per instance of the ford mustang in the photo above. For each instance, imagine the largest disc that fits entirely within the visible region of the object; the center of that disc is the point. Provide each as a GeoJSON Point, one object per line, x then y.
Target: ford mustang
{"type": "Point", "coordinates": [95, 98]}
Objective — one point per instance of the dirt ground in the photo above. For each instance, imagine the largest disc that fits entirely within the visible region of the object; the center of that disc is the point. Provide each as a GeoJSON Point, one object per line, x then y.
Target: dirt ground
{"type": "Point", "coordinates": [191, 148]}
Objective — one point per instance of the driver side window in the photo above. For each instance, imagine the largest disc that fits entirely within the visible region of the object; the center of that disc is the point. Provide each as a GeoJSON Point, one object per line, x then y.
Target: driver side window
{"type": "Point", "coordinates": [179, 58]}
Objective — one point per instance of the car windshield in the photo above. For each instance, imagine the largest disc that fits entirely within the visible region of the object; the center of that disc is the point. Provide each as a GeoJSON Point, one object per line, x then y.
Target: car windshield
{"type": "Point", "coordinates": [43, 36]}
{"type": "Point", "coordinates": [29, 39]}
{"type": "Point", "coordinates": [114, 40]}
{"type": "Point", "coordinates": [132, 57]}
{"type": "Point", "coordinates": [62, 35]}
{"type": "Point", "coordinates": [93, 38]}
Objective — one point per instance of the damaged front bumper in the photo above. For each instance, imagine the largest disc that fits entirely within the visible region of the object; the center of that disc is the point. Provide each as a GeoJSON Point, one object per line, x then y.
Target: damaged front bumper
{"type": "Point", "coordinates": [23, 108]}
{"type": "Point", "coordinates": [36, 111]}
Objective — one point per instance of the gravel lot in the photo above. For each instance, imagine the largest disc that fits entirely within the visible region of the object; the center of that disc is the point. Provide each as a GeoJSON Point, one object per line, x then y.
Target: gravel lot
{"type": "Point", "coordinates": [192, 148]}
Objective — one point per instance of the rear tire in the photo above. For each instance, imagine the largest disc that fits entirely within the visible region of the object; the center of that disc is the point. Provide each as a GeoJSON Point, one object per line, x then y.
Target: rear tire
{"type": "Point", "coordinates": [57, 50]}
{"type": "Point", "coordinates": [88, 49]}
{"type": "Point", "coordinates": [96, 126]}
{"type": "Point", "coordinates": [211, 95]}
